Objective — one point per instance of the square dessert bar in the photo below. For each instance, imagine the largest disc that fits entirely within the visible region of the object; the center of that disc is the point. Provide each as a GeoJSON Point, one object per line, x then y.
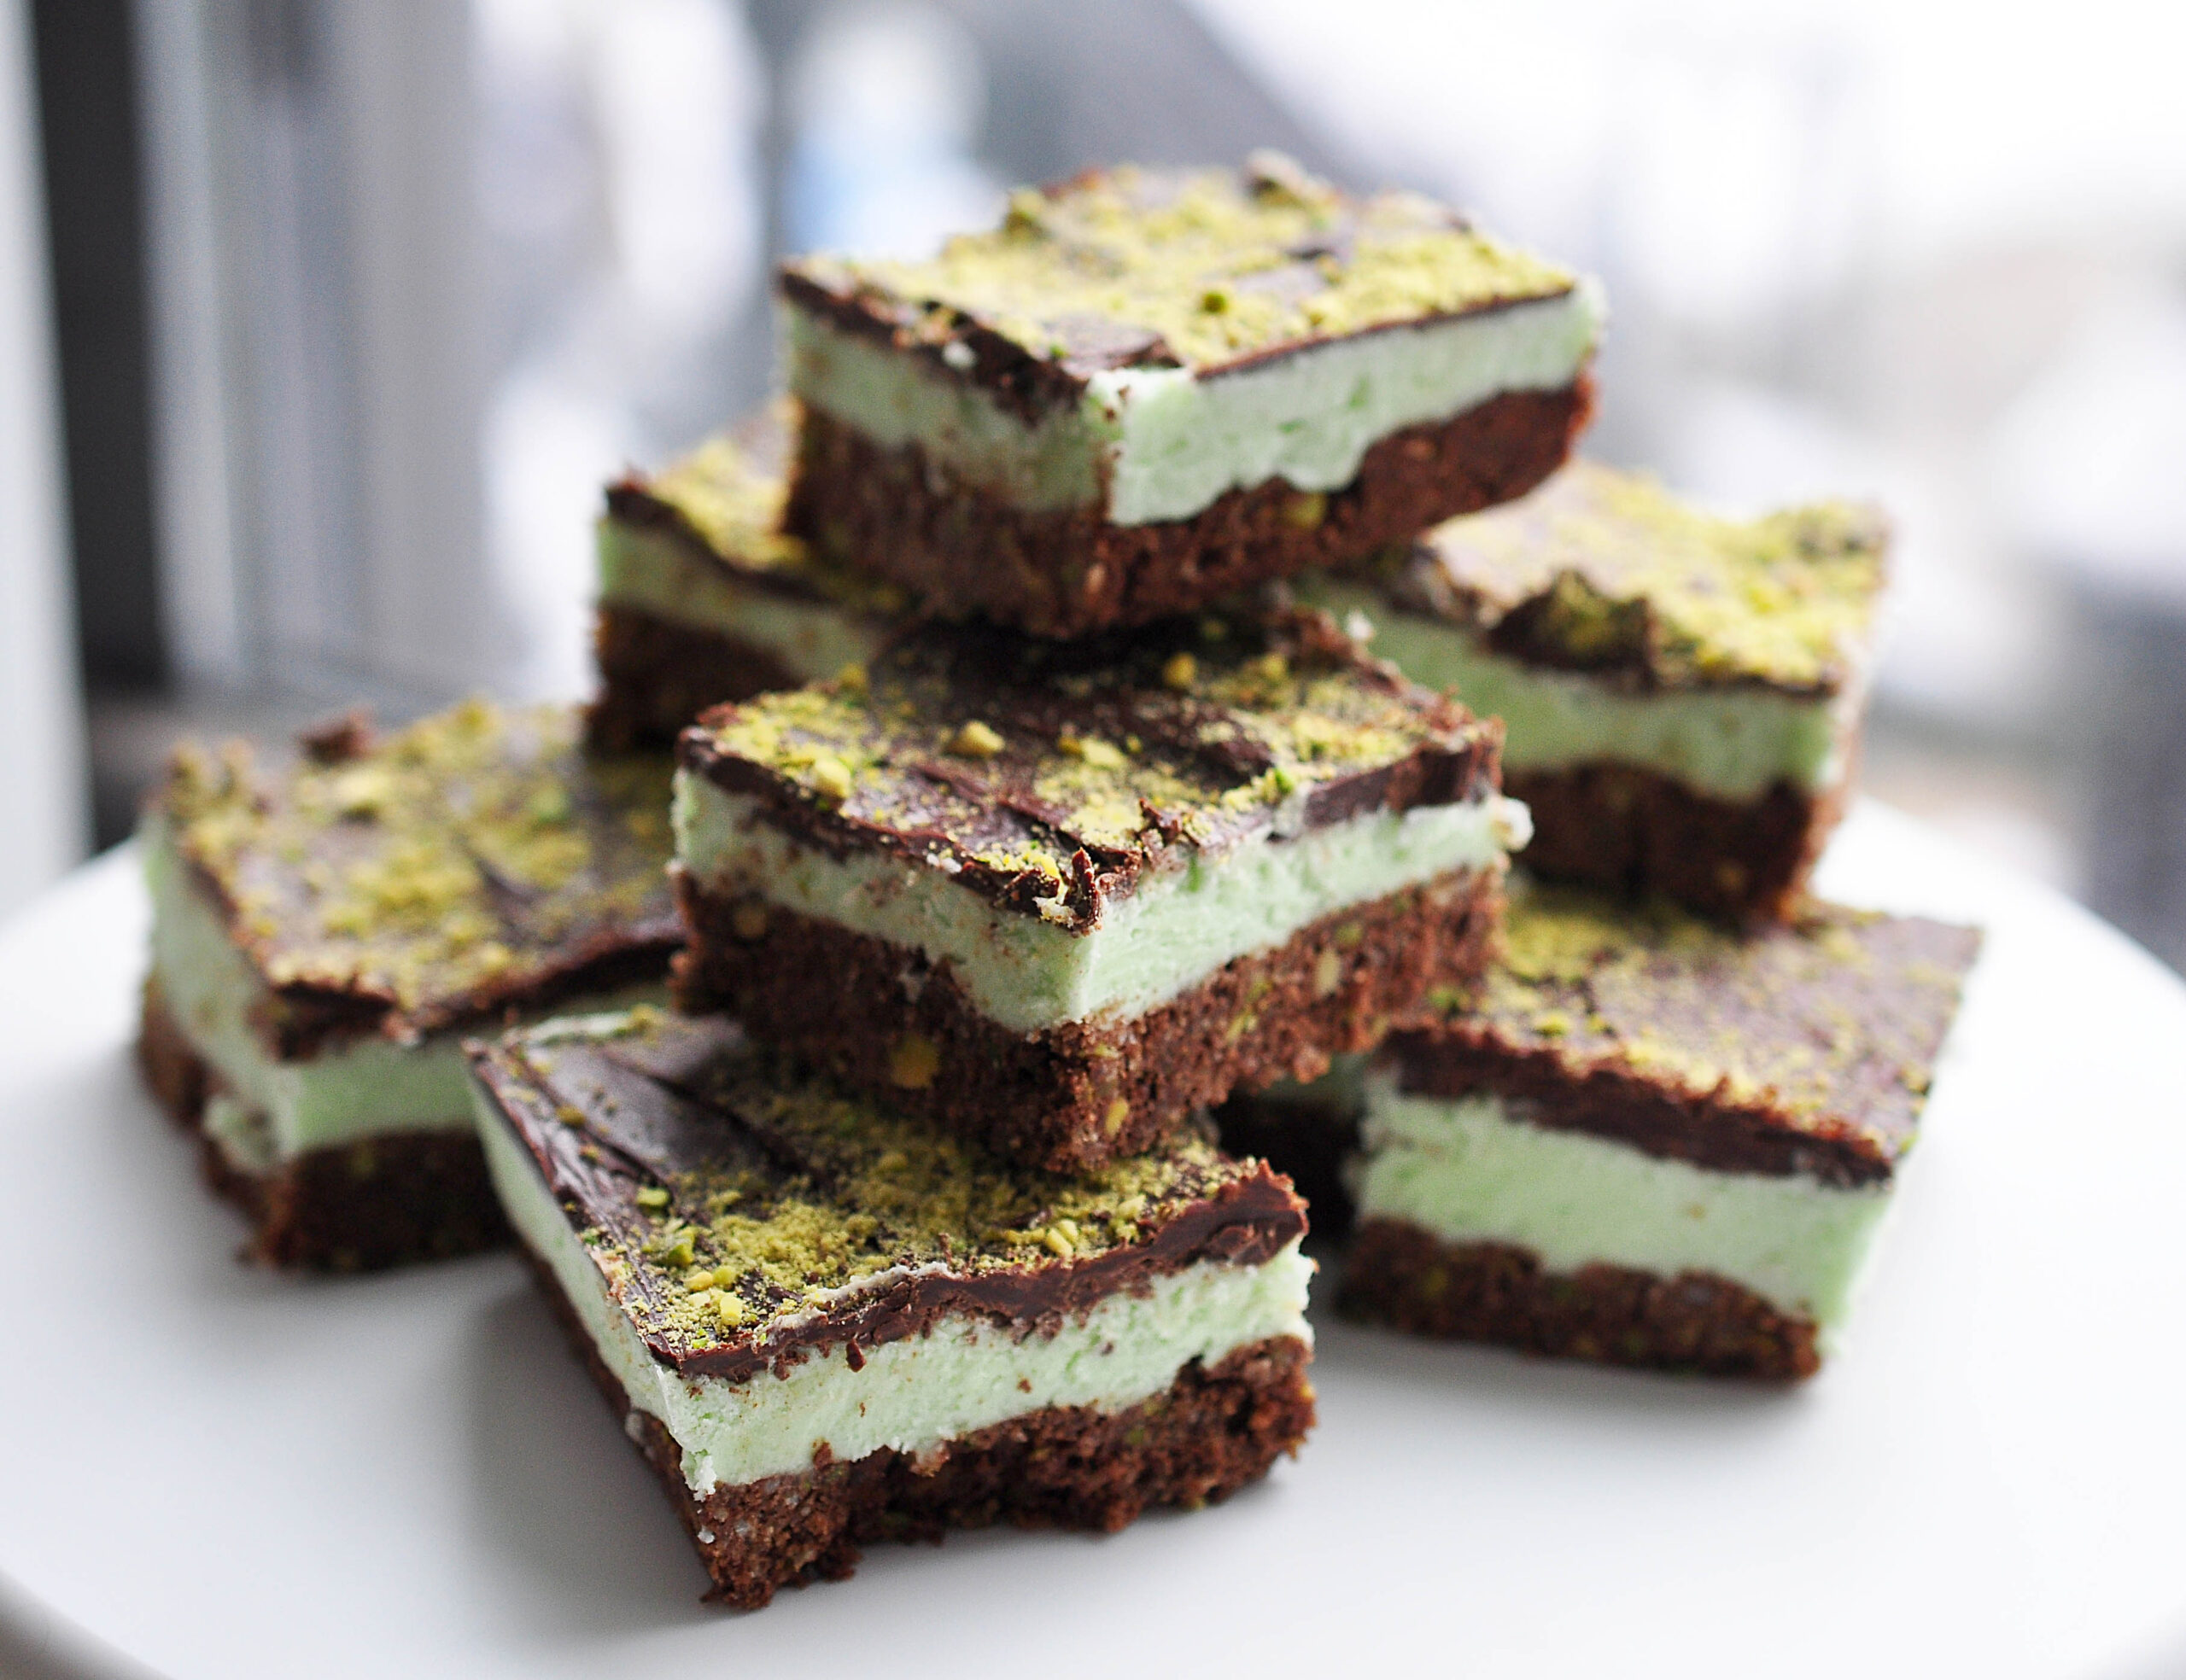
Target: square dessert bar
{"type": "Point", "coordinates": [1681, 692]}
{"type": "Point", "coordinates": [823, 1323]}
{"type": "Point", "coordinates": [1148, 388]}
{"type": "Point", "coordinates": [1062, 895]}
{"type": "Point", "coordinates": [1647, 1142]}
{"type": "Point", "coordinates": [704, 597]}
{"type": "Point", "coordinates": [323, 935]}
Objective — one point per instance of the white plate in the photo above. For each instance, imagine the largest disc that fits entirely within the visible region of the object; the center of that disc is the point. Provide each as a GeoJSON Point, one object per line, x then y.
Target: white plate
{"type": "Point", "coordinates": [221, 1473]}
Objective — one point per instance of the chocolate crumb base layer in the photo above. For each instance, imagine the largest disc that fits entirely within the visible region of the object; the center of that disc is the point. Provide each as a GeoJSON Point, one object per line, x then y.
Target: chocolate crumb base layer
{"type": "Point", "coordinates": [1635, 830]}
{"type": "Point", "coordinates": [656, 676]}
{"type": "Point", "coordinates": [1397, 1275]}
{"type": "Point", "coordinates": [383, 1202]}
{"type": "Point", "coordinates": [962, 551]}
{"type": "Point", "coordinates": [1210, 1433]}
{"type": "Point", "coordinates": [1069, 1098]}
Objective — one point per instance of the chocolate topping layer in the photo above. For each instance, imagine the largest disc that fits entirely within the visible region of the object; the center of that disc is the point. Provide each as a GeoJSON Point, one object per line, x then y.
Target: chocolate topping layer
{"type": "Point", "coordinates": [744, 1213]}
{"type": "Point", "coordinates": [1803, 1049]}
{"type": "Point", "coordinates": [1212, 270]}
{"type": "Point", "coordinates": [477, 860]}
{"type": "Point", "coordinates": [1605, 571]}
{"type": "Point", "coordinates": [1050, 777]}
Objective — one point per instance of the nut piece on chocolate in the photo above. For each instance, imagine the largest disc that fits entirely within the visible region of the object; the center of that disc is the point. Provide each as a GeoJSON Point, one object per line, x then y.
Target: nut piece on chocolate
{"type": "Point", "coordinates": [1147, 388]}
{"type": "Point", "coordinates": [1682, 691]}
{"type": "Point", "coordinates": [324, 930]}
{"type": "Point", "coordinates": [1644, 1140]}
{"type": "Point", "coordinates": [1064, 895]}
{"type": "Point", "coordinates": [826, 1324]}
{"type": "Point", "coordinates": [704, 597]}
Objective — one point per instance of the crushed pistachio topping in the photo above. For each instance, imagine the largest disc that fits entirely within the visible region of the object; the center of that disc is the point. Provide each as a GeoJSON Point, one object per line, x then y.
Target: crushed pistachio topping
{"type": "Point", "coordinates": [1604, 568]}
{"type": "Point", "coordinates": [1031, 762]}
{"type": "Point", "coordinates": [468, 850]}
{"type": "Point", "coordinates": [844, 1193]}
{"type": "Point", "coordinates": [1813, 1019]}
{"type": "Point", "coordinates": [1201, 268]}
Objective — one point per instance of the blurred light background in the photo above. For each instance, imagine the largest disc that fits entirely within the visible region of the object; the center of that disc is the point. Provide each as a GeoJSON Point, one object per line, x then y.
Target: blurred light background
{"type": "Point", "coordinates": [357, 302]}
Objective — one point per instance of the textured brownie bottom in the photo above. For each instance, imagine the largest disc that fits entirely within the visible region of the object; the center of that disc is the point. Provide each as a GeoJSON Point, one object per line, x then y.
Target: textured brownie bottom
{"type": "Point", "coordinates": [1493, 1292]}
{"type": "Point", "coordinates": [1070, 1097]}
{"type": "Point", "coordinates": [1637, 831]}
{"type": "Point", "coordinates": [384, 1201]}
{"type": "Point", "coordinates": [1063, 574]}
{"type": "Point", "coordinates": [655, 675]}
{"type": "Point", "coordinates": [1211, 1433]}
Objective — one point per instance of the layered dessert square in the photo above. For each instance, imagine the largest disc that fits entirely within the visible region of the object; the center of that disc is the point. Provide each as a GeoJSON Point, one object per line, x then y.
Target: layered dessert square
{"type": "Point", "coordinates": [1681, 692]}
{"type": "Point", "coordinates": [705, 598]}
{"type": "Point", "coordinates": [324, 933]}
{"type": "Point", "coordinates": [1062, 895]}
{"type": "Point", "coordinates": [1148, 388]}
{"type": "Point", "coordinates": [824, 1323]}
{"type": "Point", "coordinates": [1646, 1142]}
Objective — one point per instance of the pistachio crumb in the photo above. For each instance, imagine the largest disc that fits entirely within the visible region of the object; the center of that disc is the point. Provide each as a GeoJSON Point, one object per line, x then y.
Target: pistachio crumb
{"type": "Point", "coordinates": [652, 1196]}
{"type": "Point", "coordinates": [1306, 512]}
{"type": "Point", "coordinates": [1180, 672]}
{"type": "Point", "coordinates": [913, 1062]}
{"type": "Point", "coordinates": [831, 778]}
{"type": "Point", "coordinates": [1091, 750]}
{"type": "Point", "coordinates": [975, 739]}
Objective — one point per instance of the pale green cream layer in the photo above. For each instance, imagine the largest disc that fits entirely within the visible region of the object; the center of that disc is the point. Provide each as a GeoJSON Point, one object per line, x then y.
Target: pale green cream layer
{"type": "Point", "coordinates": [1733, 744]}
{"type": "Point", "coordinates": [658, 574]}
{"type": "Point", "coordinates": [275, 1109]}
{"type": "Point", "coordinates": [912, 1395]}
{"type": "Point", "coordinates": [1169, 441]}
{"type": "Point", "coordinates": [1468, 1170]}
{"type": "Point", "coordinates": [1179, 927]}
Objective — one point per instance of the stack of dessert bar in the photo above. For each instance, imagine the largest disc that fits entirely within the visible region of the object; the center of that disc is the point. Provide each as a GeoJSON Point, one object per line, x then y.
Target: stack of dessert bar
{"type": "Point", "coordinates": [1040, 804]}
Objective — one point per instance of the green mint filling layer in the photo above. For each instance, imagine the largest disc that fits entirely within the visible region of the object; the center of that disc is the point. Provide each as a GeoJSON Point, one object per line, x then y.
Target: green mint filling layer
{"type": "Point", "coordinates": [657, 574]}
{"type": "Point", "coordinates": [1733, 744]}
{"type": "Point", "coordinates": [1179, 927]}
{"type": "Point", "coordinates": [911, 1395]}
{"type": "Point", "coordinates": [1168, 441]}
{"type": "Point", "coordinates": [1468, 1172]}
{"type": "Point", "coordinates": [275, 1109]}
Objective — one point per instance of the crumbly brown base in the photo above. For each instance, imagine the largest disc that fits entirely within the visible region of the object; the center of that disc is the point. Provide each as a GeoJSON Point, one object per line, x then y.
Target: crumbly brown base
{"type": "Point", "coordinates": [655, 675]}
{"type": "Point", "coordinates": [1071, 1097]}
{"type": "Point", "coordinates": [367, 1206]}
{"type": "Point", "coordinates": [962, 551]}
{"type": "Point", "coordinates": [1492, 1293]}
{"type": "Point", "coordinates": [1210, 1433]}
{"type": "Point", "coordinates": [1636, 831]}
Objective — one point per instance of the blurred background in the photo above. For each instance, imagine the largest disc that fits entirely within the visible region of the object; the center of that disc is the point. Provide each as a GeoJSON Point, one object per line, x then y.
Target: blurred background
{"type": "Point", "coordinates": [323, 321]}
